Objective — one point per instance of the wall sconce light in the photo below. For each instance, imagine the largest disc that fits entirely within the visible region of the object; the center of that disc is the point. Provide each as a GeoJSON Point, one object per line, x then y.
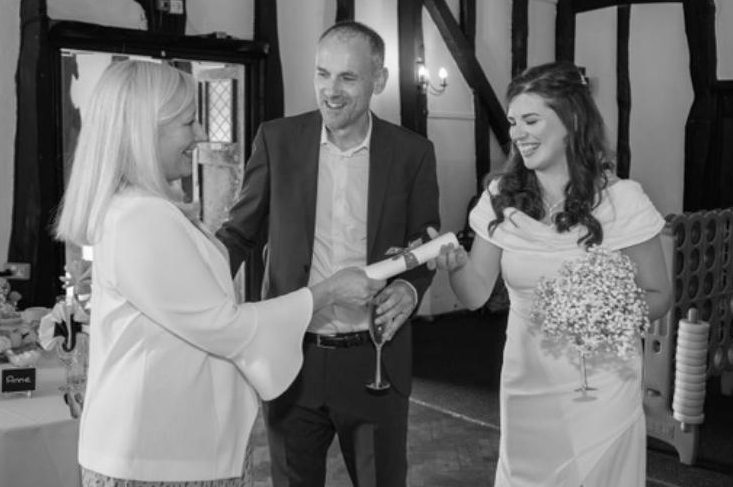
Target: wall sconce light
{"type": "Point", "coordinates": [423, 80]}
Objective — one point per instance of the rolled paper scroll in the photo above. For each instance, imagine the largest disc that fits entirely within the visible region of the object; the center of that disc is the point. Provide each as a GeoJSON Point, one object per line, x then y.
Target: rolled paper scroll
{"type": "Point", "coordinates": [410, 258]}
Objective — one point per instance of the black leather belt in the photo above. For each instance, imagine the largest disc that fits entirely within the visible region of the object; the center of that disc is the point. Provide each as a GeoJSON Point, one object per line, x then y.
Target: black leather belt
{"type": "Point", "coordinates": [341, 340]}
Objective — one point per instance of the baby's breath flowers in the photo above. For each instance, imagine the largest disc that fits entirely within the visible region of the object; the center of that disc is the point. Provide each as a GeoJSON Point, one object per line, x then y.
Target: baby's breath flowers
{"type": "Point", "coordinates": [594, 304]}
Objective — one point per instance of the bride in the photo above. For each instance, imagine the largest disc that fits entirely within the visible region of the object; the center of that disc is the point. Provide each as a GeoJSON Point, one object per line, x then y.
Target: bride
{"type": "Point", "coordinates": [558, 197]}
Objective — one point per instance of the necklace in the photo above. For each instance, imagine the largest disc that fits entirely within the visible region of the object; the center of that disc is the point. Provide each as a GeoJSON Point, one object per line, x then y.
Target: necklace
{"type": "Point", "coordinates": [551, 209]}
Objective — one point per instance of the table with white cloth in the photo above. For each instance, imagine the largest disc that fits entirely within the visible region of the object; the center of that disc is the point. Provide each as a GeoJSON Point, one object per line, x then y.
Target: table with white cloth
{"type": "Point", "coordinates": [38, 437]}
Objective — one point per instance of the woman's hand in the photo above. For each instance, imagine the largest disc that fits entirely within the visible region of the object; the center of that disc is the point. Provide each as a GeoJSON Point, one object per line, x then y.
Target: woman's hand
{"type": "Point", "coordinates": [347, 287]}
{"type": "Point", "coordinates": [472, 276]}
{"type": "Point", "coordinates": [451, 258]}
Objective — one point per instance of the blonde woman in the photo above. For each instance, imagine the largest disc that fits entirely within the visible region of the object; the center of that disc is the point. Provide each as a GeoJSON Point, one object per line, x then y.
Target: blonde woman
{"type": "Point", "coordinates": [176, 365]}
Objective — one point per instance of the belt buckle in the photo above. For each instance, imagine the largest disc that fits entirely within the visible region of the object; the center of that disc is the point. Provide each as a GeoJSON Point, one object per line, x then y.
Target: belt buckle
{"type": "Point", "coordinates": [320, 344]}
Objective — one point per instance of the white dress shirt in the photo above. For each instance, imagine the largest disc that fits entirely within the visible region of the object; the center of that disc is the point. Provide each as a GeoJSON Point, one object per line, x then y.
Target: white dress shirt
{"type": "Point", "coordinates": [340, 238]}
{"type": "Point", "coordinates": [175, 364]}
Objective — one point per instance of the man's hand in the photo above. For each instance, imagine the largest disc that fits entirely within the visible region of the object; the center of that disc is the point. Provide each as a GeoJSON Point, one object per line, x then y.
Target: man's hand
{"type": "Point", "coordinates": [393, 306]}
{"type": "Point", "coordinates": [348, 287]}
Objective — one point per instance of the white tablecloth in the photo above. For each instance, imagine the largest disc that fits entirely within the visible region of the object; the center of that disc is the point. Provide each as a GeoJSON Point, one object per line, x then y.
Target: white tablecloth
{"type": "Point", "coordinates": [38, 438]}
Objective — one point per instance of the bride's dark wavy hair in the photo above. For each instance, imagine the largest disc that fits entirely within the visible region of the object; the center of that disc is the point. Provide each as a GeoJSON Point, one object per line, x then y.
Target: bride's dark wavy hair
{"type": "Point", "coordinates": [565, 90]}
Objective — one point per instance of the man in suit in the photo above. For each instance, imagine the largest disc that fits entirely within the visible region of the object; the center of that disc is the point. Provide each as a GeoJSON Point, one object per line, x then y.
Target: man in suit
{"type": "Point", "coordinates": [339, 187]}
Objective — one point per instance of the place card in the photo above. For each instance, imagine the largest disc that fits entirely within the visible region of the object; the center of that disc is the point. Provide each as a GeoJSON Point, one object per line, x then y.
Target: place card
{"type": "Point", "coordinates": [18, 379]}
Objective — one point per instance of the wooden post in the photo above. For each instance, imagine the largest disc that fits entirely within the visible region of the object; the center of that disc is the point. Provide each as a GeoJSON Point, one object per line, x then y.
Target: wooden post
{"type": "Point", "coordinates": [520, 34]}
{"type": "Point", "coordinates": [469, 66]}
{"type": "Point", "coordinates": [344, 10]}
{"type": "Point", "coordinates": [266, 31]}
{"type": "Point", "coordinates": [413, 102]}
{"type": "Point", "coordinates": [702, 168]}
{"type": "Point", "coordinates": [481, 128]}
{"type": "Point", "coordinates": [565, 31]}
{"type": "Point", "coordinates": [623, 91]}
{"type": "Point", "coordinates": [38, 175]}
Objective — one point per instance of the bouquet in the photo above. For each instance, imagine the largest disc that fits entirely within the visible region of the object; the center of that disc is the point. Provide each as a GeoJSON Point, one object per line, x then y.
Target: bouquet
{"type": "Point", "coordinates": [594, 304]}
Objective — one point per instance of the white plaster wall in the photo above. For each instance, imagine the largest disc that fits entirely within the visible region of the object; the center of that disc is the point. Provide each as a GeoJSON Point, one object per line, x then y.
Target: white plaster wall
{"type": "Point", "coordinates": [10, 42]}
{"type": "Point", "coordinates": [90, 67]}
{"type": "Point", "coordinates": [233, 17]}
{"type": "Point", "coordinates": [595, 49]}
{"type": "Point", "coordinates": [661, 93]}
{"type": "Point", "coordinates": [115, 13]}
{"type": "Point", "coordinates": [661, 96]}
{"type": "Point", "coordinates": [381, 15]}
{"type": "Point", "coordinates": [451, 128]}
{"type": "Point", "coordinates": [724, 34]}
{"type": "Point", "coordinates": [541, 35]}
{"type": "Point", "coordinates": [300, 23]}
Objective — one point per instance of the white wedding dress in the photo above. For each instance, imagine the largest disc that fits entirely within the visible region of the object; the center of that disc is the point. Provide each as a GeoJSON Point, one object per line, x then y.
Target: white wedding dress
{"type": "Point", "coordinates": [548, 436]}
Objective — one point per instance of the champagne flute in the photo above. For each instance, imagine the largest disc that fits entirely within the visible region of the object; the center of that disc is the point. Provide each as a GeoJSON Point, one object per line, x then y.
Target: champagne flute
{"type": "Point", "coordinates": [376, 332]}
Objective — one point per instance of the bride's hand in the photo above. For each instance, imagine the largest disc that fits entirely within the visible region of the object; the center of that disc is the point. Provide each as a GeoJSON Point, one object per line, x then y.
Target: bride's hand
{"type": "Point", "coordinates": [451, 258]}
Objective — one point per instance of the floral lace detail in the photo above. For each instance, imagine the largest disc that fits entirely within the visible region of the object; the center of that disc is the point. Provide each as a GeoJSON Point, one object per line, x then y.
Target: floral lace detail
{"type": "Point", "coordinates": [90, 478]}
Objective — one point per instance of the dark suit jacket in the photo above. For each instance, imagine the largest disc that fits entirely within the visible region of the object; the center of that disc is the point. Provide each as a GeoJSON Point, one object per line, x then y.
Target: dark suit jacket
{"type": "Point", "coordinates": [279, 190]}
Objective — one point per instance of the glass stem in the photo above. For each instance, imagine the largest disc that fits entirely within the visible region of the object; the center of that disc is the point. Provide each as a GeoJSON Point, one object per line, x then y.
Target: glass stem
{"type": "Point", "coordinates": [378, 373]}
{"type": "Point", "coordinates": [583, 372]}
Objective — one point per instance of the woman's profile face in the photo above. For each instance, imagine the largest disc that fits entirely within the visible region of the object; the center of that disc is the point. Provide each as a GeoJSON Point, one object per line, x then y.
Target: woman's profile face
{"type": "Point", "coordinates": [537, 133]}
{"type": "Point", "coordinates": [177, 140]}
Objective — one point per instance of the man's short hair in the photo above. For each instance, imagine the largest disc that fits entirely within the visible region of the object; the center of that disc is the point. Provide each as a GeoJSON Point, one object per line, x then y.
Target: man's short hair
{"type": "Point", "coordinates": [351, 28]}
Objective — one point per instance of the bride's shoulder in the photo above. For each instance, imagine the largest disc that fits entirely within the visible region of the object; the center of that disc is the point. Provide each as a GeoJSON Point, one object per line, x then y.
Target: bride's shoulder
{"type": "Point", "coordinates": [615, 184]}
{"type": "Point", "coordinates": [611, 179]}
{"type": "Point", "coordinates": [624, 193]}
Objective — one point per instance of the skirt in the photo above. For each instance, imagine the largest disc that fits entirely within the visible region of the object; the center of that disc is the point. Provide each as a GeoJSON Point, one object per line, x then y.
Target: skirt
{"type": "Point", "coordinates": [89, 478]}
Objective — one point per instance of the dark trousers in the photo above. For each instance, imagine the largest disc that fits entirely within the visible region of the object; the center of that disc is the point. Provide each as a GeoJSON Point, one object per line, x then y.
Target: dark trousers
{"type": "Point", "coordinates": [329, 398]}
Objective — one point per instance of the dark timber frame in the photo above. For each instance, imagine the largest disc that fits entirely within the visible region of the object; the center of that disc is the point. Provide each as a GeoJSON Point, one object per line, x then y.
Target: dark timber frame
{"type": "Point", "coordinates": [520, 34]}
{"type": "Point", "coordinates": [481, 127]}
{"type": "Point", "coordinates": [460, 39]}
{"type": "Point", "coordinates": [565, 31]}
{"type": "Point", "coordinates": [344, 10]}
{"type": "Point", "coordinates": [265, 32]}
{"type": "Point", "coordinates": [623, 91]}
{"type": "Point", "coordinates": [36, 188]}
{"type": "Point", "coordinates": [707, 178]}
{"type": "Point", "coordinates": [413, 102]}
{"type": "Point", "coordinates": [470, 68]}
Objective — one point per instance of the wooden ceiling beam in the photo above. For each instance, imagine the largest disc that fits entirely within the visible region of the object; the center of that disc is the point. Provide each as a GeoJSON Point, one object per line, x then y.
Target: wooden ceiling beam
{"type": "Point", "coordinates": [470, 68]}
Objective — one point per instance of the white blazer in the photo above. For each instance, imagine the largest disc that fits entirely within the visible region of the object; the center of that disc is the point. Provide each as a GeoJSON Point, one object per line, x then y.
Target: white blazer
{"type": "Point", "coordinates": [175, 364]}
